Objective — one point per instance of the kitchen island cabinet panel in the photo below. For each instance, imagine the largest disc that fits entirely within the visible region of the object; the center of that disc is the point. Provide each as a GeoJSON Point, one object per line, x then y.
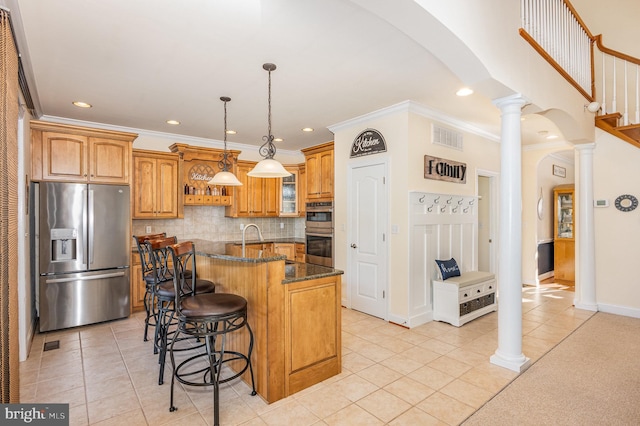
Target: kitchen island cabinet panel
{"type": "Point", "coordinates": [296, 322]}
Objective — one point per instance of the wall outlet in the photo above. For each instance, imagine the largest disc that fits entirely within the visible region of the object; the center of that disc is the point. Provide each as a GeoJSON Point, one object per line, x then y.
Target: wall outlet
{"type": "Point", "coordinates": [147, 229]}
{"type": "Point", "coordinates": [281, 225]}
{"type": "Point", "coordinates": [241, 226]}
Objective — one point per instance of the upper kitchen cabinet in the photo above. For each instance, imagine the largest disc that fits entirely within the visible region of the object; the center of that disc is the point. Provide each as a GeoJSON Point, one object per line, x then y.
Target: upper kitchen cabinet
{"type": "Point", "coordinates": [319, 171]}
{"type": "Point", "coordinates": [155, 185]}
{"type": "Point", "coordinates": [61, 152]}
{"type": "Point", "coordinates": [198, 166]}
{"type": "Point", "coordinates": [290, 201]}
{"type": "Point", "coordinates": [257, 197]}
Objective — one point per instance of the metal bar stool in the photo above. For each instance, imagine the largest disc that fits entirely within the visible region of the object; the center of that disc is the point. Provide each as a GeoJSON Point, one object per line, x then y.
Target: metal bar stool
{"type": "Point", "coordinates": [147, 276]}
{"type": "Point", "coordinates": [210, 317]}
{"type": "Point", "coordinates": [164, 295]}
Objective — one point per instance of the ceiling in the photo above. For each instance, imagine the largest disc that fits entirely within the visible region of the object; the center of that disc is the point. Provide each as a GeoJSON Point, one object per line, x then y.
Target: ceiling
{"type": "Point", "coordinates": [141, 63]}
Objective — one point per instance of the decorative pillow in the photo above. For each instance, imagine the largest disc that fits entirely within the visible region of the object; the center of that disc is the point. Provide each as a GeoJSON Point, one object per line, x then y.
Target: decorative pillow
{"type": "Point", "coordinates": [448, 268]}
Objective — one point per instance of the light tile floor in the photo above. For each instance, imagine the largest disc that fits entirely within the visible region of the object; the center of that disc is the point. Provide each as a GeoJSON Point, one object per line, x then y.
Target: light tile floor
{"type": "Point", "coordinates": [435, 374]}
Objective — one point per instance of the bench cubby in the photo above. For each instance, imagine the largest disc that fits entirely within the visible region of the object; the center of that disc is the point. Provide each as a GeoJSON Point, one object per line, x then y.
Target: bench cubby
{"type": "Point", "coordinates": [459, 300]}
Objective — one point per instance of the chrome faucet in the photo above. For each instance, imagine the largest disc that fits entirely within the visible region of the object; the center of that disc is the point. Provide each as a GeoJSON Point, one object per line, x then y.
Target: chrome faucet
{"type": "Point", "coordinates": [245, 229]}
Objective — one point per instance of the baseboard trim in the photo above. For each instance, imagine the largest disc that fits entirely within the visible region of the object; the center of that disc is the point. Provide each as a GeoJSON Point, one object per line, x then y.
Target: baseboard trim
{"type": "Point", "coordinates": [619, 310]}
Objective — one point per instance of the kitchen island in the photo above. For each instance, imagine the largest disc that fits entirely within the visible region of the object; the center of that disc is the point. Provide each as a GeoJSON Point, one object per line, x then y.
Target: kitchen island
{"type": "Point", "coordinates": [293, 310]}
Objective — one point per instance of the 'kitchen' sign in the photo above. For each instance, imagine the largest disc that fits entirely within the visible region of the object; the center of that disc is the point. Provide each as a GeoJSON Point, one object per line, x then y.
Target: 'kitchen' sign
{"type": "Point", "coordinates": [447, 170]}
{"type": "Point", "coordinates": [368, 142]}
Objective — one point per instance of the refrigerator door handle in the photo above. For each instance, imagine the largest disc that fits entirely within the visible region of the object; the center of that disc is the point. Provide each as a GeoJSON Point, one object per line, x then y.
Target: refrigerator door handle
{"type": "Point", "coordinates": [85, 254]}
{"type": "Point", "coordinates": [91, 225]}
{"type": "Point", "coordinates": [91, 277]}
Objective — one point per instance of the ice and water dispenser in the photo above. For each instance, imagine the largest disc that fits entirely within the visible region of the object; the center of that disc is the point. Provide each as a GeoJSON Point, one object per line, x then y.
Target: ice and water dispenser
{"type": "Point", "coordinates": [63, 244]}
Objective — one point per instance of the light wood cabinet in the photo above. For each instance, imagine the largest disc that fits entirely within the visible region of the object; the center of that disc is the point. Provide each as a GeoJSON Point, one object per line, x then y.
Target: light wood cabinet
{"type": "Point", "coordinates": [155, 185]}
{"type": "Point", "coordinates": [302, 190]}
{"type": "Point", "coordinates": [137, 284]}
{"type": "Point", "coordinates": [301, 254]}
{"type": "Point", "coordinates": [319, 171]}
{"type": "Point", "coordinates": [68, 153]}
{"type": "Point", "coordinates": [293, 192]}
{"type": "Point", "coordinates": [288, 249]}
{"type": "Point", "coordinates": [564, 234]}
{"type": "Point", "coordinates": [257, 197]}
{"type": "Point", "coordinates": [198, 165]}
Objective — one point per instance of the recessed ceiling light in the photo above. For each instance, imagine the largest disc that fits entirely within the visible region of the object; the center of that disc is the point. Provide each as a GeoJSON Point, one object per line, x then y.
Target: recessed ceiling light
{"type": "Point", "coordinates": [173, 122]}
{"type": "Point", "coordinates": [278, 139]}
{"type": "Point", "coordinates": [307, 129]}
{"type": "Point", "coordinates": [552, 136]}
{"type": "Point", "coordinates": [231, 132]}
{"type": "Point", "coordinates": [465, 91]}
{"type": "Point", "coordinates": [82, 104]}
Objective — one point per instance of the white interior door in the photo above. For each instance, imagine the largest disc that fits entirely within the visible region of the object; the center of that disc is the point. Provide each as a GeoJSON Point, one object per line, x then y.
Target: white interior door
{"type": "Point", "coordinates": [368, 240]}
{"type": "Point", "coordinates": [486, 222]}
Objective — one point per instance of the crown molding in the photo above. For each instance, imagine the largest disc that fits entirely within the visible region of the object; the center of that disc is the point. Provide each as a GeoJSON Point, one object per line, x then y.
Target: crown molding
{"type": "Point", "coordinates": [213, 143]}
{"type": "Point", "coordinates": [419, 109]}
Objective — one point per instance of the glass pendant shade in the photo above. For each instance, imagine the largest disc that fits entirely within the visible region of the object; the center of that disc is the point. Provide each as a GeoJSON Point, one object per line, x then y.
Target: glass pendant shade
{"type": "Point", "coordinates": [269, 168]}
{"type": "Point", "coordinates": [225, 179]}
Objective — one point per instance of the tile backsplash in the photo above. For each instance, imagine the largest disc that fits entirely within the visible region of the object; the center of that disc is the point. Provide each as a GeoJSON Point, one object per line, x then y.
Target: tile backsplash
{"type": "Point", "coordinates": [209, 223]}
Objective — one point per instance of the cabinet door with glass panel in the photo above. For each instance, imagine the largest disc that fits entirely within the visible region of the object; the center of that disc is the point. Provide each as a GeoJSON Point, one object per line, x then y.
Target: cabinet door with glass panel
{"type": "Point", "coordinates": [564, 212]}
{"type": "Point", "coordinates": [564, 234]}
{"type": "Point", "coordinates": [289, 193]}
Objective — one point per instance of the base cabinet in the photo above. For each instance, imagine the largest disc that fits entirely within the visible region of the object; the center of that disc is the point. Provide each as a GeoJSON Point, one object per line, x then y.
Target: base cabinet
{"type": "Point", "coordinates": [137, 284]}
{"type": "Point", "coordinates": [459, 300]}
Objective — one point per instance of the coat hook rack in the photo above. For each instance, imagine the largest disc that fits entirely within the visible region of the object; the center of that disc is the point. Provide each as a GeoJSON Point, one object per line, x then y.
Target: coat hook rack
{"type": "Point", "coordinates": [421, 199]}
{"type": "Point", "coordinates": [430, 209]}
{"type": "Point", "coordinates": [436, 200]}
{"type": "Point", "coordinates": [449, 200]}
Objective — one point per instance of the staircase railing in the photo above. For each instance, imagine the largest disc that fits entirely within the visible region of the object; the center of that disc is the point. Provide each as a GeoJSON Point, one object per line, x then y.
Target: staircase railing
{"type": "Point", "coordinates": [554, 29]}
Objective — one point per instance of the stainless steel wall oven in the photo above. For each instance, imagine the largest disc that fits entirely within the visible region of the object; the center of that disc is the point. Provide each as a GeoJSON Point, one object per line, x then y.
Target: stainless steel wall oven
{"type": "Point", "coordinates": [319, 233]}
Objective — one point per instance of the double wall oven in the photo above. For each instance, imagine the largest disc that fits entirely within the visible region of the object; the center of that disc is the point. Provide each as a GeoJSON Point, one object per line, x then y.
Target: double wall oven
{"type": "Point", "coordinates": [319, 233]}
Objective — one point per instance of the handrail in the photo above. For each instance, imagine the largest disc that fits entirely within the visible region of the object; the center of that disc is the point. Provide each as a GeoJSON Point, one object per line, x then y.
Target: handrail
{"type": "Point", "coordinates": [557, 32]}
{"type": "Point", "coordinates": [620, 55]}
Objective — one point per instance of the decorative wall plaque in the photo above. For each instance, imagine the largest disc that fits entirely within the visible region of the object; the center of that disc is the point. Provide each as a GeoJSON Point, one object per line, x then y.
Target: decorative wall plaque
{"type": "Point", "coordinates": [440, 169]}
{"type": "Point", "coordinates": [368, 142]}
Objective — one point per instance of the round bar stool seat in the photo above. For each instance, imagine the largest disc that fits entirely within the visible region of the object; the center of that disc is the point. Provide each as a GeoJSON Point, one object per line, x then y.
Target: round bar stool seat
{"type": "Point", "coordinates": [211, 317]}
{"type": "Point", "coordinates": [165, 295]}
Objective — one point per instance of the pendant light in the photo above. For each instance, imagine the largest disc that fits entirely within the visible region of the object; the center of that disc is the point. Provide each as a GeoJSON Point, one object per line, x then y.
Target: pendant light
{"type": "Point", "coordinates": [268, 168]}
{"type": "Point", "coordinates": [225, 177]}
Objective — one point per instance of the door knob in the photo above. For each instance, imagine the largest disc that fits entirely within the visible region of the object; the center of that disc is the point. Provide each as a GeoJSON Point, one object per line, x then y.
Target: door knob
{"type": "Point", "coordinates": [353, 245]}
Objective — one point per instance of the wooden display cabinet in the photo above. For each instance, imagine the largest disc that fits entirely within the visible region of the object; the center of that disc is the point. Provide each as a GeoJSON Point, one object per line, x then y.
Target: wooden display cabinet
{"type": "Point", "coordinates": [61, 152]}
{"type": "Point", "coordinates": [319, 172]}
{"type": "Point", "coordinates": [564, 232]}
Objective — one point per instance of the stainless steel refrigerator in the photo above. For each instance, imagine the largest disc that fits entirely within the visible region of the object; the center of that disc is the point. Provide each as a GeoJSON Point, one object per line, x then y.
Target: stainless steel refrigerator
{"type": "Point", "coordinates": [81, 246]}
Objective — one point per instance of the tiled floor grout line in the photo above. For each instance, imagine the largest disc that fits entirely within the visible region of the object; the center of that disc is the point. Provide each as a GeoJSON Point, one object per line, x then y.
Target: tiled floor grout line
{"type": "Point", "coordinates": [440, 349]}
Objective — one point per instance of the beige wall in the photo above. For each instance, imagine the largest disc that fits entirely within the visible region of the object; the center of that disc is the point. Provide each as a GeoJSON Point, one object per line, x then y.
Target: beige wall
{"type": "Point", "coordinates": [408, 136]}
{"type": "Point", "coordinates": [537, 163]}
{"type": "Point", "coordinates": [617, 233]}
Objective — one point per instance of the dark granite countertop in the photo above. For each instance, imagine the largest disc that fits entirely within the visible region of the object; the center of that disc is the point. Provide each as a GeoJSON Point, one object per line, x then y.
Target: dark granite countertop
{"type": "Point", "coordinates": [294, 271]}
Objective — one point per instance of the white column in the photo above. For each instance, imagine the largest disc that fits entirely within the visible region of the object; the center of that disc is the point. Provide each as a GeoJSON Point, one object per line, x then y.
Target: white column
{"type": "Point", "coordinates": [586, 282]}
{"type": "Point", "coordinates": [509, 353]}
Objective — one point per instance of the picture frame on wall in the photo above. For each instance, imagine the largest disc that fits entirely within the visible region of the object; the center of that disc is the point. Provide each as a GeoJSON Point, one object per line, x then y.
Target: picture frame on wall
{"type": "Point", "coordinates": [559, 171]}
